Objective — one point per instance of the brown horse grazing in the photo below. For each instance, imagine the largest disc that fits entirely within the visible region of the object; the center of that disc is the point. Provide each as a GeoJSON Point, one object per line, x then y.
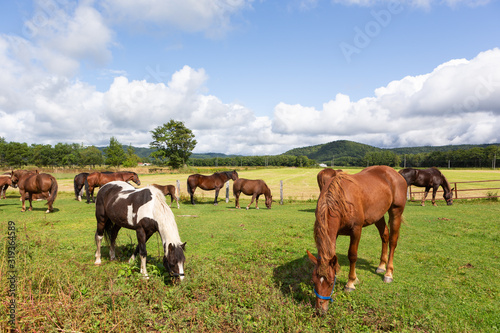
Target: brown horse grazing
{"type": "Point", "coordinates": [97, 179]}
{"type": "Point", "coordinates": [78, 184]}
{"type": "Point", "coordinates": [5, 182]}
{"type": "Point", "coordinates": [325, 175]}
{"type": "Point", "coordinates": [254, 188]}
{"type": "Point", "coordinates": [169, 190]}
{"type": "Point", "coordinates": [213, 182]}
{"type": "Point", "coordinates": [428, 178]}
{"type": "Point", "coordinates": [35, 183]}
{"type": "Point", "coordinates": [346, 204]}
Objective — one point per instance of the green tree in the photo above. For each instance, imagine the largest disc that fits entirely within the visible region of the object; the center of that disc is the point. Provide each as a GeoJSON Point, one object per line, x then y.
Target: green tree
{"type": "Point", "coordinates": [174, 143]}
{"type": "Point", "coordinates": [132, 159]}
{"type": "Point", "coordinates": [91, 156]}
{"type": "Point", "coordinates": [115, 155]}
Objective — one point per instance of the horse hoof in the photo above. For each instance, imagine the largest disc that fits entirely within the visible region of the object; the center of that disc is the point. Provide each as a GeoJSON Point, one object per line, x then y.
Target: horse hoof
{"type": "Point", "coordinates": [256, 207]}
{"type": "Point", "coordinates": [380, 270]}
{"type": "Point", "coordinates": [248, 208]}
{"type": "Point", "coordinates": [348, 289]}
{"type": "Point", "coordinates": [388, 279]}
{"type": "Point", "coordinates": [47, 211]}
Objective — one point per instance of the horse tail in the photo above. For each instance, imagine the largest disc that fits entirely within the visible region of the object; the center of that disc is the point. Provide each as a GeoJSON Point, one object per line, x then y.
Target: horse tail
{"type": "Point", "coordinates": [53, 191]}
{"type": "Point", "coordinates": [189, 186]}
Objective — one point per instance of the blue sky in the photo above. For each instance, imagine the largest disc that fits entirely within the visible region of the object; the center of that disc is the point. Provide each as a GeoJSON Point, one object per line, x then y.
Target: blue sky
{"type": "Point", "coordinates": [251, 77]}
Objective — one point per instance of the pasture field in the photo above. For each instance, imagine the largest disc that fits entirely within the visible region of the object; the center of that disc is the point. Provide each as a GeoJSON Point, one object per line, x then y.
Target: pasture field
{"type": "Point", "coordinates": [247, 271]}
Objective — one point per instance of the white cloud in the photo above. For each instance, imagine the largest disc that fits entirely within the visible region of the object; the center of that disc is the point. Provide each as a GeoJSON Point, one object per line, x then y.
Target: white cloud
{"type": "Point", "coordinates": [459, 102]}
{"type": "Point", "coordinates": [210, 16]}
{"type": "Point", "coordinates": [415, 3]}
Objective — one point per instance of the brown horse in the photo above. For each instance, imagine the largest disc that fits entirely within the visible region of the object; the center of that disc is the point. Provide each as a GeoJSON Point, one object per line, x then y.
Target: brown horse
{"type": "Point", "coordinates": [35, 183]}
{"type": "Point", "coordinates": [346, 204]}
{"type": "Point", "coordinates": [97, 179]}
{"type": "Point", "coordinates": [5, 182]}
{"type": "Point", "coordinates": [254, 188]}
{"type": "Point", "coordinates": [207, 183]}
{"type": "Point", "coordinates": [324, 176]}
{"type": "Point", "coordinates": [428, 178]}
{"type": "Point", "coordinates": [169, 190]}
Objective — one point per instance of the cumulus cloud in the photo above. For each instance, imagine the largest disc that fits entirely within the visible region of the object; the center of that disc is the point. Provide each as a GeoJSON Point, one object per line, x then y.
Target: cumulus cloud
{"type": "Point", "coordinates": [458, 102]}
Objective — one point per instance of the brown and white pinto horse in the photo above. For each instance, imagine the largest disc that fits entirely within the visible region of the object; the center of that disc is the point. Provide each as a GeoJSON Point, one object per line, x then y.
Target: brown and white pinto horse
{"type": "Point", "coordinates": [97, 179]}
{"type": "Point", "coordinates": [169, 190]}
{"type": "Point", "coordinates": [144, 210]}
{"type": "Point", "coordinates": [346, 204]}
{"type": "Point", "coordinates": [428, 178]}
{"type": "Point", "coordinates": [213, 182]}
{"type": "Point", "coordinates": [324, 176]}
{"type": "Point", "coordinates": [35, 183]}
{"type": "Point", "coordinates": [254, 188]}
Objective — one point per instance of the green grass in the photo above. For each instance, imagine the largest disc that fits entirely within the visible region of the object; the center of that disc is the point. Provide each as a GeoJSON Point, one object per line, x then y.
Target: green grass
{"type": "Point", "coordinates": [247, 271]}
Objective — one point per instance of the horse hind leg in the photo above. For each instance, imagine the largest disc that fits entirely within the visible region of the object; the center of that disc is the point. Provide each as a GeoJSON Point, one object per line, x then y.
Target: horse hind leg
{"type": "Point", "coordinates": [216, 196]}
{"type": "Point", "coordinates": [113, 234]}
{"type": "Point", "coordinates": [395, 217]}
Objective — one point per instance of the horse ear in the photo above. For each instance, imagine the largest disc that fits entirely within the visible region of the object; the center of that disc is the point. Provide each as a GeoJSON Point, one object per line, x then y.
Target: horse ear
{"type": "Point", "coordinates": [170, 247]}
{"type": "Point", "coordinates": [183, 245]}
{"type": "Point", "coordinates": [312, 257]}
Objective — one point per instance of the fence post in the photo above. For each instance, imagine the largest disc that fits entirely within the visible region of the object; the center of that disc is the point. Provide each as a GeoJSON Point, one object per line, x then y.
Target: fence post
{"type": "Point", "coordinates": [227, 191]}
{"type": "Point", "coordinates": [178, 189]}
{"type": "Point", "coordinates": [281, 192]}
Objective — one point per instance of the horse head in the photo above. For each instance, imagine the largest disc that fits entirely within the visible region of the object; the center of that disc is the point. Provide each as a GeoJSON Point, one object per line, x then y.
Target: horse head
{"type": "Point", "coordinates": [174, 259]}
{"type": "Point", "coordinates": [135, 178]}
{"type": "Point", "coordinates": [269, 201]}
{"type": "Point", "coordinates": [234, 175]}
{"type": "Point", "coordinates": [324, 276]}
{"type": "Point", "coordinates": [448, 196]}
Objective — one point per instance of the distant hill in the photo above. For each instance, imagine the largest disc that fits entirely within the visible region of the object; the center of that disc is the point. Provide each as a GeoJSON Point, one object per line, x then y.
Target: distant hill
{"type": "Point", "coordinates": [146, 152]}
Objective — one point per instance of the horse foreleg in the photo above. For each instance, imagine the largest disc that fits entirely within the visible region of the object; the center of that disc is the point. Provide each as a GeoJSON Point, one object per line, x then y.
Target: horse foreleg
{"type": "Point", "coordinates": [23, 198]}
{"type": "Point", "coordinates": [98, 240]}
{"type": "Point", "coordinates": [30, 198]}
{"type": "Point", "coordinates": [237, 199]}
{"type": "Point", "coordinates": [434, 190]}
{"type": "Point", "coordinates": [395, 223]}
{"type": "Point", "coordinates": [425, 196]}
{"type": "Point", "coordinates": [112, 241]}
{"type": "Point", "coordinates": [384, 236]}
{"type": "Point", "coordinates": [251, 201]}
{"type": "Point", "coordinates": [353, 257]}
{"type": "Point", "coordinates": [141, 239]}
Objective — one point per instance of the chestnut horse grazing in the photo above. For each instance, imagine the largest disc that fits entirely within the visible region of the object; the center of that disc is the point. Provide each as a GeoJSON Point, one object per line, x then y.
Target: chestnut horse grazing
{"type": "Point", "coordinates": [324, 176]}
{"type": "Point", "coordinates": [346, 204]}
{"type": "Point", "coordinates": [428, 178]}
{"type": "Point", "coordinates": [78, 184]}
{"type": "Point", "coordinates": [97, 179]}
{"type": "Point", "coordinates": [169, 190]}
{"type": "Point", "coordinates": [254, 188]}
{"type": "Point", "coordinates": [35, 183]}
{"type": "Point", "coordinates": [207, 183]}
{"type": "Point", "coordinates": [144, 210]}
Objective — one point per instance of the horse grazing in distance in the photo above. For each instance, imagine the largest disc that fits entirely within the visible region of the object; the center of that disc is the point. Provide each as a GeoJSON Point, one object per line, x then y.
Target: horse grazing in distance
{"type": "Point", "coordinates": [428, 178]}
{"type": "Point", "coordinates": [169, 190]}
{"type": "Point", "coordinates": [207, 183]}
{"type": "Point", "coordinates": [324, 176]}
{"type": "Point", "coordinates": [98, 179]}
{"type": "Point", "coordinates": [35, 183]}
{"type": "Point", "coordinates": [5, 182]}
{"type": "Point", "coordinates": [78, 184]}
{"type": "Point", "coordinates": [254, 188]}
{"type": "Point", "coordinates": [119, 204]}
{"type": "Point", "coordinates": [346, 204]}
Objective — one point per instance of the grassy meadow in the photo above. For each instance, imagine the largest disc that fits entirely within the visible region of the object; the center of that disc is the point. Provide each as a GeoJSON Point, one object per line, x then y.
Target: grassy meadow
{"type": "Point", "coordinates": [247, 271]}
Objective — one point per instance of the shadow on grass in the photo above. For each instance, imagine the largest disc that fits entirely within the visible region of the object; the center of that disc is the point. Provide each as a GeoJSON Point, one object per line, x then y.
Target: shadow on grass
{"type": "Point", "coordinates": [294, 278]}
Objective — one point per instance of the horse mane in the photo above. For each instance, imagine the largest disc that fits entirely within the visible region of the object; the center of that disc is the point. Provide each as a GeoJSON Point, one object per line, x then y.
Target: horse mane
{"type": "Point", "coordinates": [331, 201]}
{"type": "Point", "coordinates": [165, 219]}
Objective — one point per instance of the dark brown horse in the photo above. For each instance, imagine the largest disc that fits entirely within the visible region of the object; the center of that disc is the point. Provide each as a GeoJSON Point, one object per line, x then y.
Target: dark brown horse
{"type": "Point", "coordinates": [346, 204]}
{"type": "Point", "coordinates": [207, 183]}
{"type": "Point", "coordinates": [5, 182]}
{"type": "Point", "coordinates": [254, 188]}
{"type": "Point", "coordinates": [428, 178]}
{"type": "Point", "coordinates": [169, 190]}
{"type": "Point", "coordinates": [35, 183]}
{"type": "Point", "coordinates": [78, 184]}
{"type": "Point", "coordinates": [97, 179]}
{"type": "Point", "coordinates": [324, 176]}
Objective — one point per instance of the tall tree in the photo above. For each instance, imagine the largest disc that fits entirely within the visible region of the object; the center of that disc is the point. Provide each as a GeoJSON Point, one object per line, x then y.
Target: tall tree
{"type": "Point", "coordinates": [91, 156]}
{"type": "Point", "coordinates": [115, 155]}
{"type": "Point", "coordinates": [132, 159]}
{"type": "Point", "coordinates": [174, 143]}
